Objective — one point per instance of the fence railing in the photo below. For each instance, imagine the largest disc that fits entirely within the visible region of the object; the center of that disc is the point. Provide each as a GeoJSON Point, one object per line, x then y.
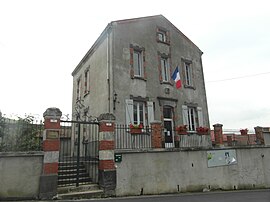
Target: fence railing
{"type": "Point", "coordinates": [22, 134]}
{"type": "Point", "coordinates": [127, 138]}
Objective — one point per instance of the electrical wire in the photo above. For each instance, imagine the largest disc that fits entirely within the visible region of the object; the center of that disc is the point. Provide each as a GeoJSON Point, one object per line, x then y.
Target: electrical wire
{"type": "Point", "coordinates": [240, 77]}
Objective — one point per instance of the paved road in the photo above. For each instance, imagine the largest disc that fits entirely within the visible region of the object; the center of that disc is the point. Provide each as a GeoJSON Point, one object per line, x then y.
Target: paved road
{"type": "Point", "coordinates": [237, 196]}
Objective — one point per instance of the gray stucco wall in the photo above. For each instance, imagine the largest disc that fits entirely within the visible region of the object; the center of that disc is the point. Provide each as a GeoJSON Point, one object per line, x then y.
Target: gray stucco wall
{"type": "Point", "coordinates": [96, 64]}
{"type": "Point", "coordinates": [186, 171]}
{"type": "Point", "coordinates": [20, 175]}
{"type": "Point", "coordinates": [143, 34]}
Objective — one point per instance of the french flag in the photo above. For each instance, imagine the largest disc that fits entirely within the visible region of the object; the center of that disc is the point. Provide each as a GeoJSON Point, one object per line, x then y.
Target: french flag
{"type": "Point", "coordinates": [176, 78]}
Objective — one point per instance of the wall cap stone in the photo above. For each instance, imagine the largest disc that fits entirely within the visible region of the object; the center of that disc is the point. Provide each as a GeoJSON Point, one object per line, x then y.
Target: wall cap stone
{"type": "Point", "coordinates": [106, 117]}
{"type": "Point", "coordinates": [52, 112]}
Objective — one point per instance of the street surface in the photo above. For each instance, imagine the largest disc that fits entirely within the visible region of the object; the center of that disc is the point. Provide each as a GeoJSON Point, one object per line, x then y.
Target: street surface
{"type": "Point", "coordinates": [235, 196]}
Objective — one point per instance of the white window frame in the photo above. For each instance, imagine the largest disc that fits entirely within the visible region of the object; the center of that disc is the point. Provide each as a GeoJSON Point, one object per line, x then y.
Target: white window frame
{"type": "Point", "coordinates": [78, 90]}
{"type": "Point", "coordinates": [165, 70]}
{"type": "Point", "coordinates": [162, 36]}
{"type": "Point", "coordinates": [148, 108]}
{"type": "Point", "coordinates": [192, 121]}
{"type": "Point", "coordinates": [86, 81]}
{"type": "Point", "coordinates": [188, 74]}
{"type": "Point", "coordinates": [139, 112]}
{"type": "Point", "coordinates": [138, 66]}
{"type": "Point", "coordinates": [192, 118]}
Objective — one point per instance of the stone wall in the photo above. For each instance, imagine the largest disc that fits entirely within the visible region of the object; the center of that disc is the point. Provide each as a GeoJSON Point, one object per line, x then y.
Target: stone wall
{"type": "Point", "coordinates": [171, 171]}
{"type": "Point", "coordinates": [20, 175]}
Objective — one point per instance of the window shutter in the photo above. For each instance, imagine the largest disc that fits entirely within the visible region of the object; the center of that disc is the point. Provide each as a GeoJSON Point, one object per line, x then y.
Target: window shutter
{"type": "Point", "coordinates": [159, 67]}
{"type": "Point", "coordinates": [131, 62]}
{"type": "Point", "coordinates": [144, 65]}
{"type": "Point", "coordinates": [185, 114]}
{"type": "Point", "coordinates": [200, 116]}
{"type": "Point", "coordinates": [150, 112]}
{"type": "Point", "coordinates": [129, 112]}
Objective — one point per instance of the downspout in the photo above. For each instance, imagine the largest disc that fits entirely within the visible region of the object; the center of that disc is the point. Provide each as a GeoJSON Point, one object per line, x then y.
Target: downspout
{"type": "Point", "coordinates": [108, 71]}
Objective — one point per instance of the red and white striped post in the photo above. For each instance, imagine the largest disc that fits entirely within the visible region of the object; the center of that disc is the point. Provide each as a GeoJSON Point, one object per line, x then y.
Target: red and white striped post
{"type": "Point", "coordinates": [51, 147]}
{"type": "Point", "coordinates": [107, 169]}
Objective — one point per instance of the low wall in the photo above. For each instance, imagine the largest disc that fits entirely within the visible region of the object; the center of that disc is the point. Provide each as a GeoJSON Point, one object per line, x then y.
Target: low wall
{"type": "Point", "coordinates": [20, 174]}
{"type": "Point", "coordinates": [155, 172]}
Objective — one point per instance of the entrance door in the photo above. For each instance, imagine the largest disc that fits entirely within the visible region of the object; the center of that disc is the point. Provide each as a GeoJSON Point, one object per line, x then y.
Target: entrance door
{"type": "Point", "coordinates": [168, 127]}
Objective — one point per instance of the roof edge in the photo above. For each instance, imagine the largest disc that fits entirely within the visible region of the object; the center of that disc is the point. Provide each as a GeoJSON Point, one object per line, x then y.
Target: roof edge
{"type": "Point", "coordinates": [92, 49]}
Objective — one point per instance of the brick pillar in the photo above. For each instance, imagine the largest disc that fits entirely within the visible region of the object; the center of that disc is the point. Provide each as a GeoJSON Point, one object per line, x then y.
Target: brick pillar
{"type": "Point", "coordinates": [218, 134]}
{"type": "Point", "coordinates": [259, 135]}
{"type": "Point", "coordinates": [106, 167]}
{"type": "Point", "coordinates": [51, 146]}
{"type": "Point", "coordinates": [229, 140]}
{"type": "Point", "coordinates": [156, 136]}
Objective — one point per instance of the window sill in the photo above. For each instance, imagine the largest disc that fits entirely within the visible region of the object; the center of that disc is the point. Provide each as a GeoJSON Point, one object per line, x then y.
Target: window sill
{"type": "Point", "coordinates": [191, 87]}
{"type": "Point", "coordinates": [86, 93]}
{"type": "Point", "coordinates": [139, 78]}
{"type": "Point", "coordinates": [166, 82]}
{"type": "Point", "coordinates": [164, 42]}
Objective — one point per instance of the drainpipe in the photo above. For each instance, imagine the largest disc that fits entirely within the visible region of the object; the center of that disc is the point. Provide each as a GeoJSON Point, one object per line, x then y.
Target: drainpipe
{"type": "Point", "coordinates": [108, 71]}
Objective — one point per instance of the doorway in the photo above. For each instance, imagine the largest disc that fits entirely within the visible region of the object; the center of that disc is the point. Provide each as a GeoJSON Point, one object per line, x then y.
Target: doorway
{"type": "Point", "coordinates": [168, 126]}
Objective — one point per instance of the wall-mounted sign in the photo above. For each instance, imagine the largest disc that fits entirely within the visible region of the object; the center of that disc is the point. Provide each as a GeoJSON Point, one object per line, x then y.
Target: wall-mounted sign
{"type": "Point", "coordinates": [221, 158]}
{"type": "Point", "coordinates": [52, 134]}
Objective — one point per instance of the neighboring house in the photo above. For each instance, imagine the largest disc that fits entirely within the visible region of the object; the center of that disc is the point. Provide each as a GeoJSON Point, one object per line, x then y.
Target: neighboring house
{"type": "Point", "coordinates": [128, 71]}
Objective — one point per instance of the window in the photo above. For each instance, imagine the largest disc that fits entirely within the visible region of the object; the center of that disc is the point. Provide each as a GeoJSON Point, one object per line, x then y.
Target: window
{"type": "Point", "coordinates": [78, 89]}
{"type": "Point", "coordinates": [192, 117]}
{"type": "Point", "coordinates": [165, 69]}
{"type": "Point", "coordinates": [163, 36]}
{"type": "Point", "coordinates": [86, 82]}
{"type": "Point", "coordinates": [137, 63]}
{"type": "Point", "coordinates": [139, 112]}
{"type": "Point", "coordinates": [188, 74]}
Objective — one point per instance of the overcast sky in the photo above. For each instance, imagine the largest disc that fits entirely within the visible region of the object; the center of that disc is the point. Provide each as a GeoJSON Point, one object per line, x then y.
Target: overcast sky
{"type": "Point", "coordinates": [41, 42]}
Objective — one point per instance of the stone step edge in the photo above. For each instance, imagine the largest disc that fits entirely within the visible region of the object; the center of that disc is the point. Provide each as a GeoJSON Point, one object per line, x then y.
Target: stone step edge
{"type": "Point", "coordinates": [82, 194]}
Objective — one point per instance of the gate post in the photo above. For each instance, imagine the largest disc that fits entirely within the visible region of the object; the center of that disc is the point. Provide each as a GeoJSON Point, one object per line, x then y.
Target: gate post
{"type": "Point", "coordinates": [51, 146]}
{"type": "Point", "coordinates": [106, 167]}
{"type": "Point", "coordinates": [156, 137]}
{"type": "Point", "coordinates": [218, 134]}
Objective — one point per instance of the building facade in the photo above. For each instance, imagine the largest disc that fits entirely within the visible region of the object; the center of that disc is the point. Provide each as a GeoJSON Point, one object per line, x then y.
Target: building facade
{"type": "Point", "coordinates": [128, 71]}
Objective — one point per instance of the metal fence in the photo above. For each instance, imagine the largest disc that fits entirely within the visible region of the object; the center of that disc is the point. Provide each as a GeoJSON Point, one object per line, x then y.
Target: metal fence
{"type": "Point", "coordinates": [21, 134]}
{"type": "Point", "coordinates": [127, 138]}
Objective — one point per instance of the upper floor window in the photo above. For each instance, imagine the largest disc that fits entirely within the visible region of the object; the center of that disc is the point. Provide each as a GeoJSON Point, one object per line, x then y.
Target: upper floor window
{"type": "Point", "coordinates": [137, 62]}
{"type": "Point", "coordinates": [163, 36]}
{"type": "Point", "coordinates": [86, 82]}
{"type": "Point", "coordinates": [78, 89]}
{"type": "Point", "coordinates": [187, 72]}
{"type": "Point", "coordinates": [165, 69]}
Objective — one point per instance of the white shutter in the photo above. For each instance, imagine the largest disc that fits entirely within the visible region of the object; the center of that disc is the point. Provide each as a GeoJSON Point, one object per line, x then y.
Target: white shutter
{"type": "Point", "coordinates": [200, 116]}
{"type": "Point", "coordinates": [185, 115]}
{"type": "Point", "coordinates": [150, 112]}
{"type": "Point", "coordinates": [129, 112]}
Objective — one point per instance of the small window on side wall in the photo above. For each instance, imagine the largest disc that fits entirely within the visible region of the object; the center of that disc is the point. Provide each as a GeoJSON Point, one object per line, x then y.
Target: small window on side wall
{"type": "Point", "coordinates": [163, 36]}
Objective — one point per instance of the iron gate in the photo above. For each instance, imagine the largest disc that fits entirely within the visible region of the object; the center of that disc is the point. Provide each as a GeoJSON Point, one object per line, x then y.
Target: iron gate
{"type": "Point", "coordinates": [78, 157]}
